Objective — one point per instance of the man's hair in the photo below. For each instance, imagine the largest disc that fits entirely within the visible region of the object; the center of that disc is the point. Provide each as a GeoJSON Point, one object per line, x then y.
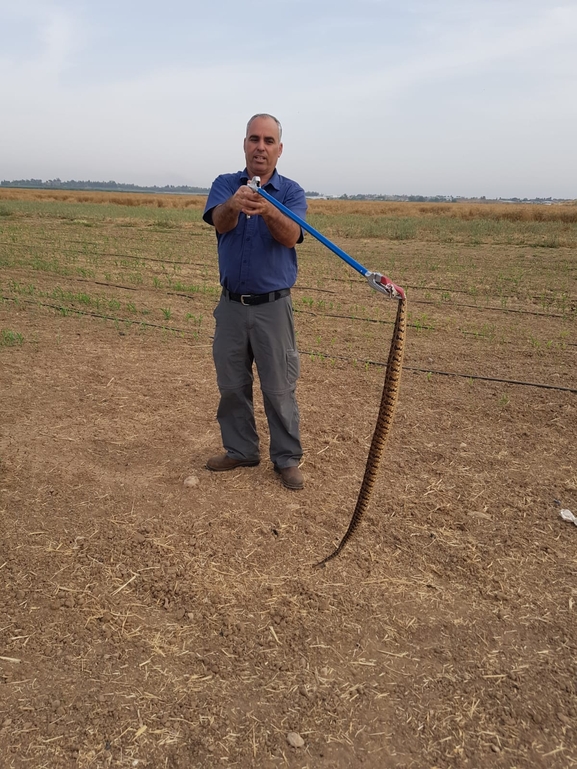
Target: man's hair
{"type": "Point", "coordinates": [265, 114]}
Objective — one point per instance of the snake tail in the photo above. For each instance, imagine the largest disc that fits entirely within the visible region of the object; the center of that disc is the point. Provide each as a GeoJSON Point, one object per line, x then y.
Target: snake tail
{"type": "Point", "coordinates": [384, 421]}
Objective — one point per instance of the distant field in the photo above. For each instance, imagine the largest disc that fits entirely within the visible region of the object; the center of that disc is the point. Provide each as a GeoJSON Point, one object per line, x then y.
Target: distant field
{"type": "Point", "coordinates": [541, 225]}
{"type": "Point", "coordinates": [566, 212]}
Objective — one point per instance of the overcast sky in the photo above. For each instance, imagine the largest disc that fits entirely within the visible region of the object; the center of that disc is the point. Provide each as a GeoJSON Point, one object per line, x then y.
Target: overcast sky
{"type": "Point", "coordinates": [424, 97]}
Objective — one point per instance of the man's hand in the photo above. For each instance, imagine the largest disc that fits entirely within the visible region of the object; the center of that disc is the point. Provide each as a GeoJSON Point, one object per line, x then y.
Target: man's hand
{"type": "Point", "coordinates": [250, 203]}
{"type": "Point", "coordinates": [245, 201]}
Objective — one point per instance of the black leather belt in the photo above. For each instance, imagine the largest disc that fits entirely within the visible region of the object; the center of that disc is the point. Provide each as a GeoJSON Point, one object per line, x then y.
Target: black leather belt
{"type": "Point", "coordinates": [252, 299]}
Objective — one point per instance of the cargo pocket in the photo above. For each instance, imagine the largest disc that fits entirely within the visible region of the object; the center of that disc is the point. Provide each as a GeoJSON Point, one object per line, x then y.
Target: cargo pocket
{"type": "Point", "coordinates": [293, 366]}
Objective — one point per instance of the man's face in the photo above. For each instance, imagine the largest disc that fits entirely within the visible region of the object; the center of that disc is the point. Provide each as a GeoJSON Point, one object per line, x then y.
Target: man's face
{"type": "Point", "coordinates": [262, 147]}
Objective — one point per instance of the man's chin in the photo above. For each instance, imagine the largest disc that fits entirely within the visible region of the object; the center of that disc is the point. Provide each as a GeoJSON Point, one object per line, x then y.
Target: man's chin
{"type": "Point", "coordinates": [260, 169]}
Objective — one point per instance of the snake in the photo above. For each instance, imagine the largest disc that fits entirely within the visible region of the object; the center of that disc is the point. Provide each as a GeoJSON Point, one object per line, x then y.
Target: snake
{"type": "Point", "coordinates": [387, 407]}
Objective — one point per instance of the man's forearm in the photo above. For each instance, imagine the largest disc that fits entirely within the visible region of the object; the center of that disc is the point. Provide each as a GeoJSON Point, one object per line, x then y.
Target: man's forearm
{"type": "Point", "coordinates": [225, 217]}
{"type": "Point", "coordinates": [283, 229]}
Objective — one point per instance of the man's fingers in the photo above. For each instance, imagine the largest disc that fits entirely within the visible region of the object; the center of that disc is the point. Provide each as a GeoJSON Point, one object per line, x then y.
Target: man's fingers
{"type": "Point", "coordinates": [253, 207]}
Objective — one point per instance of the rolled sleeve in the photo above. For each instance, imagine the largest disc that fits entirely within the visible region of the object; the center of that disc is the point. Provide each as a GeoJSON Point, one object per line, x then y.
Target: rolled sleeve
{"type": "Point", "coordinates": [223, 187]}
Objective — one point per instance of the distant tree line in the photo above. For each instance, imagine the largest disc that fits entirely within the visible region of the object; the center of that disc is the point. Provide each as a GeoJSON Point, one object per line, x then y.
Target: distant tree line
{"type": "Point", "coordinates": [403, 198]}
{"type": "Point", "coordinates": [447, 199]}
{"type": "Point", "coordinates": [110, 186]}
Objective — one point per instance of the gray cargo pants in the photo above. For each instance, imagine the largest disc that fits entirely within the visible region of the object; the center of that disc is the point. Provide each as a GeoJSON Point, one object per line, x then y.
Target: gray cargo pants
{"type": "Point", "coordinates": [263, 334]}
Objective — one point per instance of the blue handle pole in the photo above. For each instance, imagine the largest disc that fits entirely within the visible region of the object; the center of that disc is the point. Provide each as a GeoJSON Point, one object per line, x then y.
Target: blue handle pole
{"type": "Point", "coordinates": [325, 241]}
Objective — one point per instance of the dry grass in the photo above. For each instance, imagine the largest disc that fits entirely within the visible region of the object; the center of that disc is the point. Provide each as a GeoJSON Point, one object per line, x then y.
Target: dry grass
{"type": "Point", "coordinates": [105, 198]}
{"type": "Point", "coordinates": [496, 211]}
{"type": "Point", "coordinates": [562, 212]}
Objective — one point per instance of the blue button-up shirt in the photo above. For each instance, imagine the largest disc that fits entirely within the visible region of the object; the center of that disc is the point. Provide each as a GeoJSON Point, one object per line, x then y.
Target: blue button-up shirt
{"type": "Point", "coordinates": [250, 260]}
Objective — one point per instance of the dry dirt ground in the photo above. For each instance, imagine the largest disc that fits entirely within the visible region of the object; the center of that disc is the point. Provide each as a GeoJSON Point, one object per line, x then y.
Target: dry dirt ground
{"type": "Point", "coordinates": [149, 623]}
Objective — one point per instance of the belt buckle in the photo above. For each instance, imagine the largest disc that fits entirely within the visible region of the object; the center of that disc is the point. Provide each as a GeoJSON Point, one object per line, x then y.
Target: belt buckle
{"type": "Point", "coordinates": [242, 298]}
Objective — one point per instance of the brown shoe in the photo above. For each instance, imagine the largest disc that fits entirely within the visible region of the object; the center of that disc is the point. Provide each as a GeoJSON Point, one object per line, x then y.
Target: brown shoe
{"type": "Point", "coordinates": [291, 477]}
{"type": "Point", "coordinates": [222, 462]}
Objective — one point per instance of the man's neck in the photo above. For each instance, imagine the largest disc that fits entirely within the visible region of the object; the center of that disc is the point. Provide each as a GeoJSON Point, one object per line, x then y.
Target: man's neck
{"type": "Point", "coordinates": [263, 179]}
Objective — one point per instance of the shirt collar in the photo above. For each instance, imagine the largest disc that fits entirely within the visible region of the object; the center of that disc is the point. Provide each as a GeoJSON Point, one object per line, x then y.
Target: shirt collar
{"type": "Point", "coordinates": [273, 182]}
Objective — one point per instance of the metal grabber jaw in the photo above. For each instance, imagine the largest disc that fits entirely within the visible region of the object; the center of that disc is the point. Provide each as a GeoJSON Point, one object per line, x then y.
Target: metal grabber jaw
{"type": "Point", "coordinates": [384, 285]}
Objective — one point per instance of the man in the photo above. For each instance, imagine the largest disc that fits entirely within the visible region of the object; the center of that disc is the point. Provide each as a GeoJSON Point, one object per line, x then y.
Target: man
{"type": "Point", "coordinates": [254, 317]}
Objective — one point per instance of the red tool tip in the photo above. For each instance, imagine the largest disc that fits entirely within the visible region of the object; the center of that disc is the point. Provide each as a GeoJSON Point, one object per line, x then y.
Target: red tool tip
{"type": "Point", "coordinates": [384, 281]}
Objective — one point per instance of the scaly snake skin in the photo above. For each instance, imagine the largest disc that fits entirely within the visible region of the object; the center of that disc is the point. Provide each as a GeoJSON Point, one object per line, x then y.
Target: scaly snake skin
{"type": "Point", "coordinates": [382, 428]}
